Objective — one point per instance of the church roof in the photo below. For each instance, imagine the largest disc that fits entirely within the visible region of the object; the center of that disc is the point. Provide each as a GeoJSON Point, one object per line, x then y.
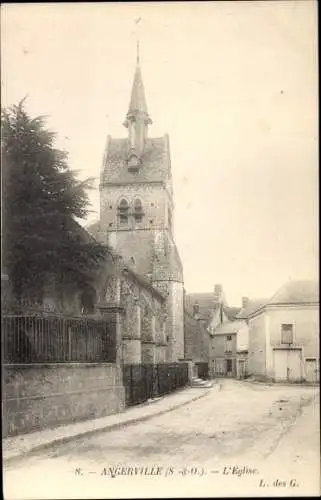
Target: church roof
{"type": "Point", "coordinates": [154, 167]}
{"type": "Point", "coordinates": [94, 229]}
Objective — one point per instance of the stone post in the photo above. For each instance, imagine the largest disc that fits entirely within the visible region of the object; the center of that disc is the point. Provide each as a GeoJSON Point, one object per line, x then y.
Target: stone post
{"type": "Point", "coordinates": [189, 369]}
{"type": "Point", "coordinates": [148, 345]}
{"type": "Point", "coordinates": [195, 370]}
{"type": "Point", "coordinates": [132, 353]}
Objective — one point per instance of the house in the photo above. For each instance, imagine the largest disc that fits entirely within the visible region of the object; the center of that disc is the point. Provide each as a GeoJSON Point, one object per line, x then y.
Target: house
{"type": "Point", "coordinates": [284, 334]}
{"type": "Point", "coordinates": [212, 311]}
{"type": "Point", "coordinates": [197, 343]}
{"type": "Point", "coordinates": [230, 339]}
{"type": "Point", "coordinates": [211, 307]}
{"type": "Point", "coordinates": [229, 348]}
{"type": "Point", "coordinates": [204, 311]}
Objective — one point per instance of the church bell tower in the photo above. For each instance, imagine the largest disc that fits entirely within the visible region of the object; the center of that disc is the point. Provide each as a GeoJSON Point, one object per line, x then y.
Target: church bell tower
{"type": "Point", "coordinates": [137, 120]}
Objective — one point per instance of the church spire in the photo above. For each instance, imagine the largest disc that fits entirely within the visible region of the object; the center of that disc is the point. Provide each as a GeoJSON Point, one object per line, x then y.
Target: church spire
{"type": "Point", "coordinates": [137, 118]}
{"type": "Point", "coordinates": [137, 102]}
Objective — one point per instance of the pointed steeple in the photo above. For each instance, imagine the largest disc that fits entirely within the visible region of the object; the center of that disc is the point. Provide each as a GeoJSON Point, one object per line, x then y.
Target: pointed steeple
{"type": "Point", "coordinates": [137, 118]}
{"type": "Point", "coordinates": [137, 103]}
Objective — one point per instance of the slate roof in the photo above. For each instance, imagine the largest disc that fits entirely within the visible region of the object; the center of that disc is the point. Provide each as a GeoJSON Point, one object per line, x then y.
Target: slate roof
{"type": "Point", "coordinates": [251, 307]}
{"type": "Point", "coordinates": [205, 302]}
{"type": "Point", "coordinates": [154, 167]}
{"type": "Point", "coordinates": [296, 292]}
{"type": "Point", "coordinates": [231, 312]}
{"type": "Point", "coordinates": [137, 99]}
{"type": "Point", "coordinates": [207, 305]}
{"type": "Point", "coordinates": [229, 328]}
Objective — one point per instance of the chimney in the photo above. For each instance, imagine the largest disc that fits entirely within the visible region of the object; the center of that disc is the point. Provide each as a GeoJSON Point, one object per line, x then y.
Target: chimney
{"type": "Point", "coordinates": [245, 301]}
{"type": "Point", "coordinates": [196, 310]}
{"type": "Point", "coordinates": [218, 292]}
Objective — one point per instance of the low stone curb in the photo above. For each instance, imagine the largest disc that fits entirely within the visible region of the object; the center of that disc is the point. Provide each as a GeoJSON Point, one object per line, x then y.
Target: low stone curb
{"type": "Point", "coordinates": [278, 384]}
{"type": "Point", "coordinates": [105, 428]}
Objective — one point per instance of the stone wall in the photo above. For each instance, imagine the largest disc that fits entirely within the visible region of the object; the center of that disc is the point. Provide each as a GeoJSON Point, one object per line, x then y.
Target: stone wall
{"type": "Point", "coordinates": [46, 395]}
{"type": "Point", "coordinates": [257, 347]}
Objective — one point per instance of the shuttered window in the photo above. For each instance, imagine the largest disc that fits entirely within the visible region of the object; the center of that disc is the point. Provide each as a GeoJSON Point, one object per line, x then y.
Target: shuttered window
{"type": "Point", "coordinates": [287, 334]}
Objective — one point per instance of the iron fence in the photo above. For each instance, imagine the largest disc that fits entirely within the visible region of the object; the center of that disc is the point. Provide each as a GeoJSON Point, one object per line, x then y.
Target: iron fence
{"type": "Point", "coordinates": [145, 381]}
{"type": "Point", "coordinates": [60, 339]}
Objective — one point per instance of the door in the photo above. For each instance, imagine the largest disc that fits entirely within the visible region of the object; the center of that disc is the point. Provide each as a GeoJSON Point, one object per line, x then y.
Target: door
{"type": "Point", "coordinates": [229, 367]}
{"type": "Point", "coordinates": [311, 370]}
{"type": "Point", "coordinates": [241, 373]}
{"type": "Point", "coordinates": [287, 365]}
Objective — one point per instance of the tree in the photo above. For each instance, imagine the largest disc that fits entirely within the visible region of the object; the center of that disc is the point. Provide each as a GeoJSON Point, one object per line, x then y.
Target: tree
{"type": "Point", "coordinates": [41, 198]}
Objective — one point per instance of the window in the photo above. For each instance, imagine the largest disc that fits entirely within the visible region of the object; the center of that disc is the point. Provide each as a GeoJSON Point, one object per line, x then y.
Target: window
{"type": "Point", "coordinates": [287, 334]}
{"type": "Point", "coordinates": [228, 343]}
{"type": "Point", "coordinates": [196, 309]}
{"type": "Point", "coordinates": [123, 212]}
{"type": "Point", "coordinates": [138, 211]}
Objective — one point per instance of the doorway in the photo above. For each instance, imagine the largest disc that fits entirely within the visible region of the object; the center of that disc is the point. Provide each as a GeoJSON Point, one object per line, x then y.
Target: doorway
{"type": "Point", "coordinates": [311, 370]}
{"type": "Point", "coordinates": [287, 365]}
{"type": "Point", "coordinates": [229, 367]}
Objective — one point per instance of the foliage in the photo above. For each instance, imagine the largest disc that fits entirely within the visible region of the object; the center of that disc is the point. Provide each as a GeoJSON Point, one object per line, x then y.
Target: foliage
{"type": "Point", "coordinates": [41, 198]}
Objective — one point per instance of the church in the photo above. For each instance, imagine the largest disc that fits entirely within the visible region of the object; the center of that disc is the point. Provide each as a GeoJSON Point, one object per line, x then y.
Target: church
{"type": "Point", "coordinates": [137, 212]}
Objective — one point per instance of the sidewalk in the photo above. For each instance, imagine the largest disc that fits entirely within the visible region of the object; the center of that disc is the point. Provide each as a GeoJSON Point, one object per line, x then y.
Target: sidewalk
{"type": "Point", "coordinates": [17, 447]}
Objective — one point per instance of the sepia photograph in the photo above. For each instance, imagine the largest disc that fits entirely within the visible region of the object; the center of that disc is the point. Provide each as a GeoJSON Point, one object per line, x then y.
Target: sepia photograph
{"type": "Point", "coordinates": [160, 250]}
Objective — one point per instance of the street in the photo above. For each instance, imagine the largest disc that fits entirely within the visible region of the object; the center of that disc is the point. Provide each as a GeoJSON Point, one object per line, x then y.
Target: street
{"type": "Point", "coordinates": [246, 439]}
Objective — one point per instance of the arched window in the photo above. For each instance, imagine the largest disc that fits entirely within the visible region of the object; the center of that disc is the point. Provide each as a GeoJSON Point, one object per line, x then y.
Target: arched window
{"type": "Point", "coordinates": [123, 211]}
{"type": "Point", "coordinates": [138, 210]}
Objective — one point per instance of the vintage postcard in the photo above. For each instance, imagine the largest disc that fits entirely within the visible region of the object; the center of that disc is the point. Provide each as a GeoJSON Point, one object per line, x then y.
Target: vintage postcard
{"type": "Point", "coordinates": [159, 273]}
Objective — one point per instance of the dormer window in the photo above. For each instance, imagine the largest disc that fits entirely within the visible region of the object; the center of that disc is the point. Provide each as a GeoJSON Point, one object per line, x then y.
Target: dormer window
{"type": "Point", "coordinates": [138, 210]}
{"type": "Point", "coordinates": [133, 162]}
{"type": "Point", "coordinates": [123, 209]}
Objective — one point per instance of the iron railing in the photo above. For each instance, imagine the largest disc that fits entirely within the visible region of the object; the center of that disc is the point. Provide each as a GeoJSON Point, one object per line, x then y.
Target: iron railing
{"type": "Point", "coordinates": [146, 381]}
{"type": "Point", "coordinates": [57, 339]}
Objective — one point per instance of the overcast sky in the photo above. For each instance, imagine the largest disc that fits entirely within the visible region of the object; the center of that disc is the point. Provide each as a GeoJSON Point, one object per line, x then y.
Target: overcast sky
{"type": "Point", "coordinates": [235, 86]}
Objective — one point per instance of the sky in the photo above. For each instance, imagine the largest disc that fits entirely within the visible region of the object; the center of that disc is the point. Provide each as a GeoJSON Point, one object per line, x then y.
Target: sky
{"type": "Point", "coordinates": [234, 84]}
